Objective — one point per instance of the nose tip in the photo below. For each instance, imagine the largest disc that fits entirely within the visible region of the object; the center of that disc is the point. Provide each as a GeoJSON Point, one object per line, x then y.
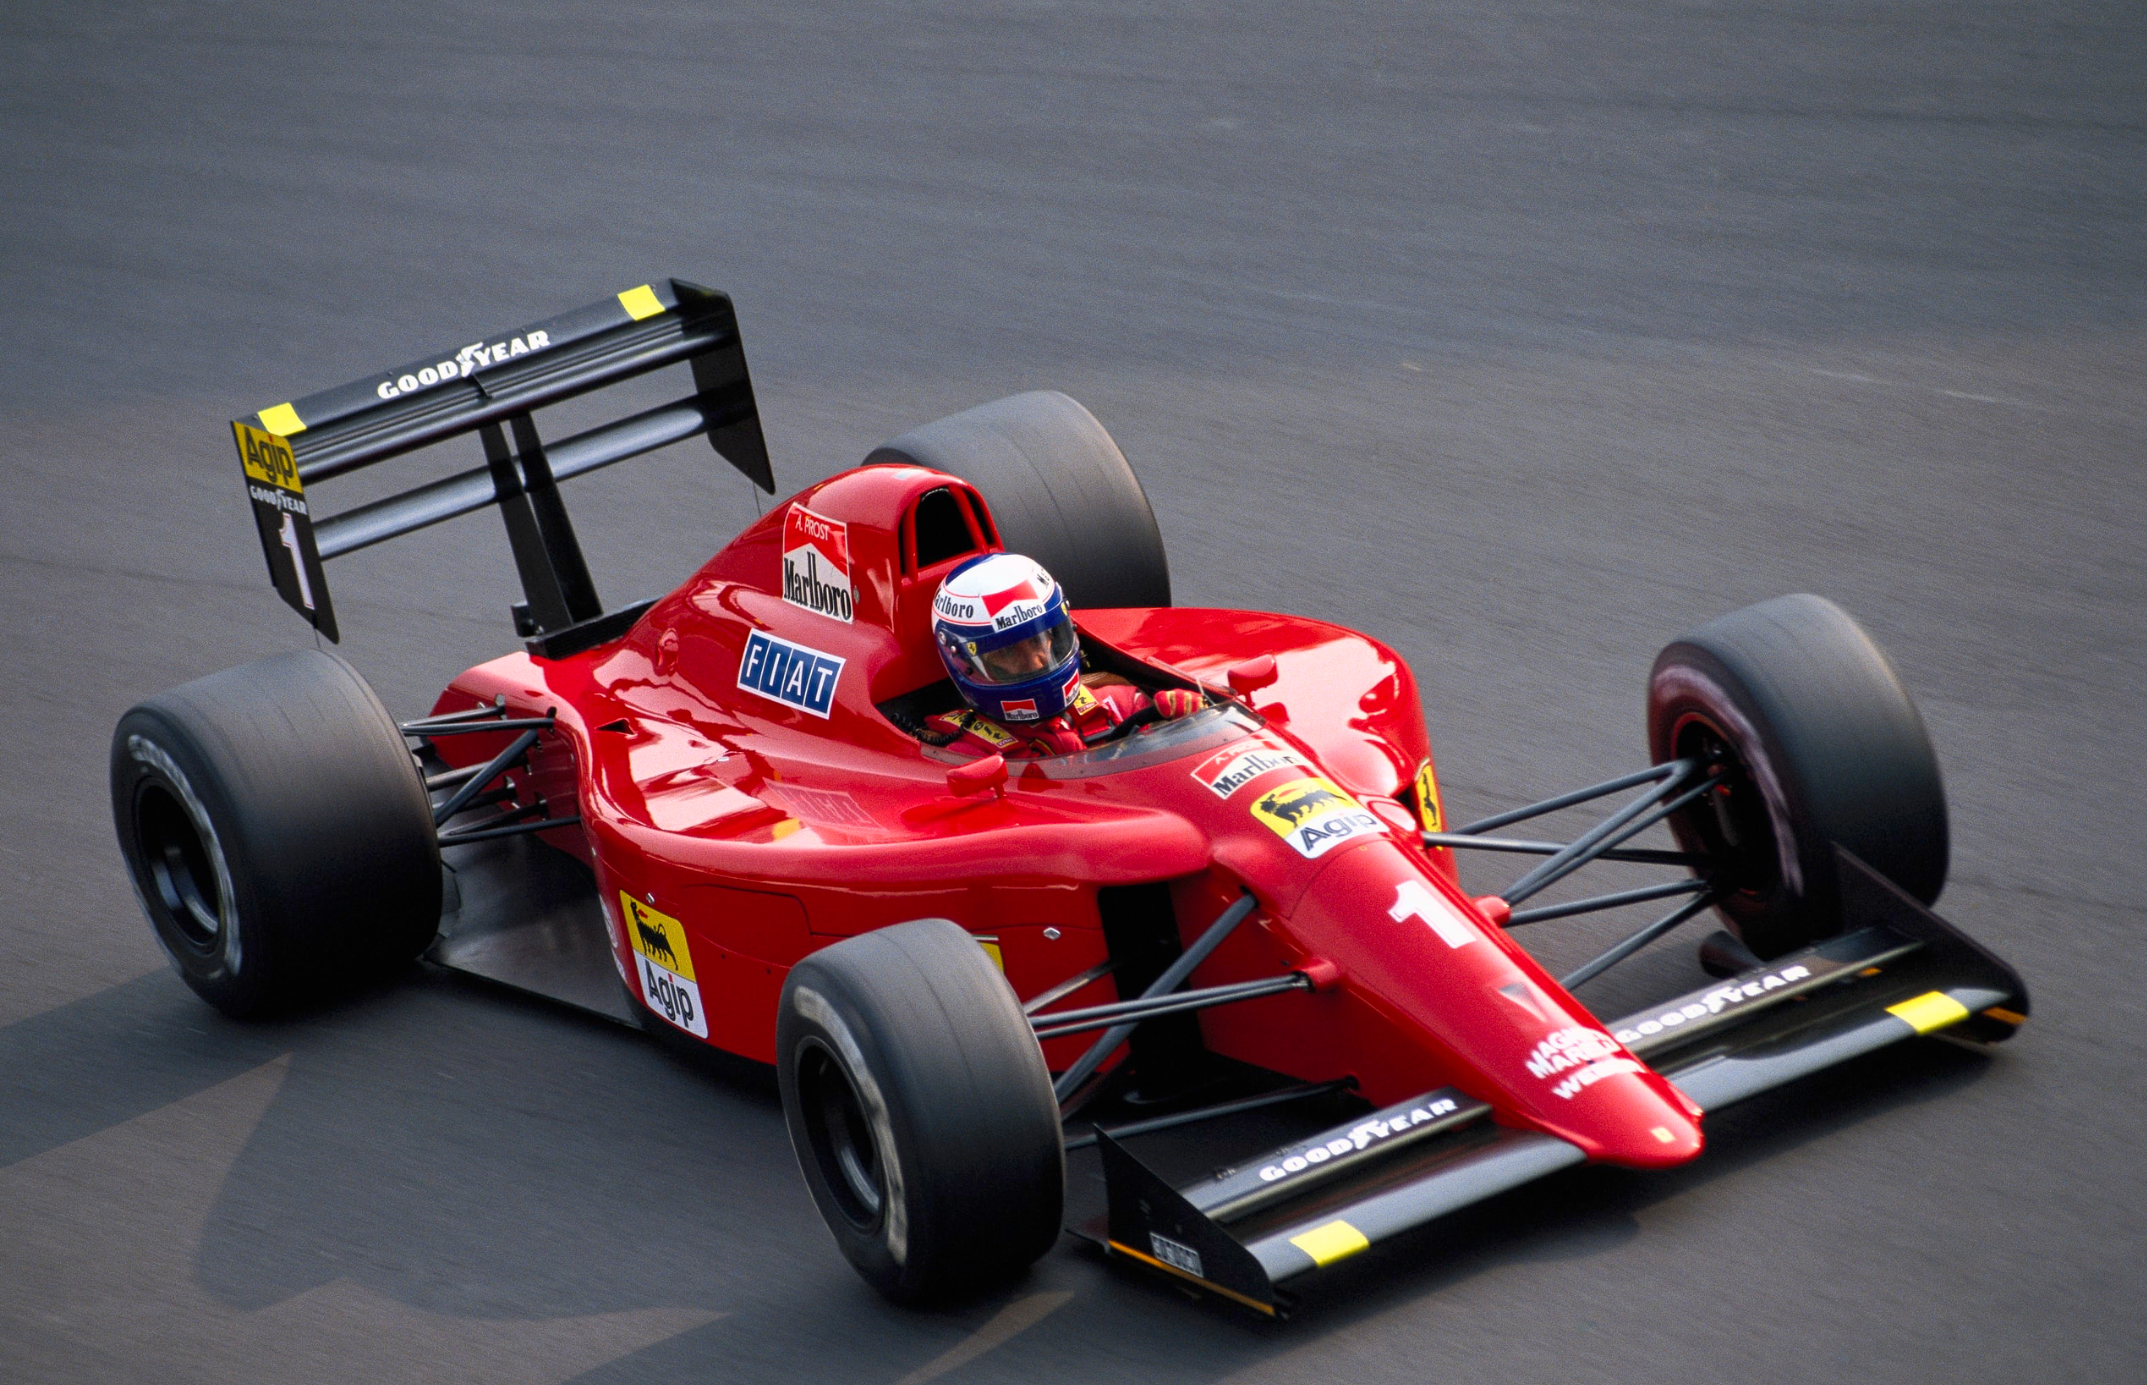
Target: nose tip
{"type": "Point", "coordinates": [1674, 1139]}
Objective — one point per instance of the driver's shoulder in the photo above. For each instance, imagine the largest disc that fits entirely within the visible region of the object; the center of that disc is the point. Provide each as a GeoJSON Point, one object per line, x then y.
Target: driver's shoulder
{"type": "Point", "coordinates": [975, 733]}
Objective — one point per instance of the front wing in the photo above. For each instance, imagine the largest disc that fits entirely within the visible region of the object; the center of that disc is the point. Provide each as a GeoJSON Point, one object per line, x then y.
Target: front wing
{"type": "Point", "coordinates": [1253, 1230]}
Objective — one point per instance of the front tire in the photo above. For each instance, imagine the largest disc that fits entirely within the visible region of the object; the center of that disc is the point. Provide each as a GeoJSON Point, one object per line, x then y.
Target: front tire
{"type": "Point", "coordinates": [1821, 745]}
{"type": "Point", "coordinates": [276, 831]}
{"type": "Point", "coordinates": [920, 1111]}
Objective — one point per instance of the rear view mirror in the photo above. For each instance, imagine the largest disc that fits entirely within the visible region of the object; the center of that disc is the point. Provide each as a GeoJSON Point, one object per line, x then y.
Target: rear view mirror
{"type": "Point", "coordinates": [978, 776]}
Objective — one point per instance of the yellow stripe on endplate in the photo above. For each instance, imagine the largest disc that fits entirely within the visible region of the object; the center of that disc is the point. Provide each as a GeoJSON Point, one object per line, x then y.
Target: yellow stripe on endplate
{"type": "Point", "coordinates": [640, 303]}
{"type": "Point", "coordinates": [1329, 1243]}
{"type": "Point", "coordinates": [283, 420]}
{"type": "Point", "coordinates": [1929, 1011]}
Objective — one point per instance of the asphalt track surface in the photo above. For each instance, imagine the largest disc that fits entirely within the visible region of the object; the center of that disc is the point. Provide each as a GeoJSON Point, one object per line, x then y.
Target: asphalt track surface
{"type": "Point", "coordinates": [1522, 335]}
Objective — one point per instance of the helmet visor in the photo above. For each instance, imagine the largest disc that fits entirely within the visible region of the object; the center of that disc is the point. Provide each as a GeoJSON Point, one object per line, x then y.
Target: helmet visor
{"type": "Point", "coordinates": [1023, 660]}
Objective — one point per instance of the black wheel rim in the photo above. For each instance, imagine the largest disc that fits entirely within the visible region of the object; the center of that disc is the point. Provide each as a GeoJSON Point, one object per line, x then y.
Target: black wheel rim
{"type": "Point", "coordinates": [841, 1135]}
{"type": "Point", "coordinates": [182, 875]}
{"type": "Point", "coordinates": [1730, 824]}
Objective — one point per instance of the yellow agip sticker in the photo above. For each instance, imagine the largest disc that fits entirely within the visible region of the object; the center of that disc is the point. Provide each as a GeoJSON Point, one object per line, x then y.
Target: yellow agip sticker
{"type": "Point", "coordinates": [267, 458]}
{"type": "Point", "coordinates": [1314, 816]}
{"type": "Point", "coordinates": [665, 964]}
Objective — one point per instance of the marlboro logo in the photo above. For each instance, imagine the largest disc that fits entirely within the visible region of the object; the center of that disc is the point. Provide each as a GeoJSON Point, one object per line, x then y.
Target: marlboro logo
{"type": "Point", "coordinates": [816, 564]}
{"type": "Point", "coordinates": [1227, 771]}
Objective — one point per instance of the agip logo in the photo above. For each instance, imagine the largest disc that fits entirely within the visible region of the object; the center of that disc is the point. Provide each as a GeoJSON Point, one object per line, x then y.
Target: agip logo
{"type": "Point", "coordinates": [665, 965]}
{"type": "Point", "coordinates": [816, 564]}
{"type": "Point", "coordinates": [267, 458]}
{"type": "Point", "coordinates": [1314, 816]}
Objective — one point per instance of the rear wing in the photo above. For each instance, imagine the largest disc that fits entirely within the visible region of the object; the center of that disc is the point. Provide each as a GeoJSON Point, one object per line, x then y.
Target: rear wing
{"type": "Point", "coordinates": [491, 387]}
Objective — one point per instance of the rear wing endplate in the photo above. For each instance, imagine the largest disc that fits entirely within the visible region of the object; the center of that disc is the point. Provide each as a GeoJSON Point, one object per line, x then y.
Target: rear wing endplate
{"type": "Point", "coordinates": [491, 387]}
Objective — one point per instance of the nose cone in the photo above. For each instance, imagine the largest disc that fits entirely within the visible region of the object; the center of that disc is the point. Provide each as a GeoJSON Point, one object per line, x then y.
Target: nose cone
{"type": "Point", "coordinates": [1421, 954]}
{"type": "Point", "coordinates": [1675, 1142]}
{"type": "Point", "coordinates": [1579, 1083]}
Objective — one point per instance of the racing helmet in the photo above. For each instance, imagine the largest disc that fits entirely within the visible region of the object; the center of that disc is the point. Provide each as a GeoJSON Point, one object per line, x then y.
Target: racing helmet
{"type": "Point", "coordinates": [1004, 633]}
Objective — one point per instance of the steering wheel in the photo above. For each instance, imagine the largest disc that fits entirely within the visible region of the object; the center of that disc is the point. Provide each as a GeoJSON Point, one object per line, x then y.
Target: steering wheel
{"type": "Point", "coordinates": [1146, 716]}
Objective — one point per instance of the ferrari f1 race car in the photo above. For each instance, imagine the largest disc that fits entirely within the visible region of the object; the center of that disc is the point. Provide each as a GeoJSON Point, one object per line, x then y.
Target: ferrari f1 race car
{"type": "Point", "coordinates": [723, 815]}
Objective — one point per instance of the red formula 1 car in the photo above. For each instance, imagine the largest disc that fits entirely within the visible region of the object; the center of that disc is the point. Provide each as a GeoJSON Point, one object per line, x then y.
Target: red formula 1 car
{"type": "Point", "coordinates": [723, 814]}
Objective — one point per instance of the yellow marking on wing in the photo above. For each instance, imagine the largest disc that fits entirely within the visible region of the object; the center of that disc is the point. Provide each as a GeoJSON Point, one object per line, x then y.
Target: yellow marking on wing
{"type": "Point", "coordinates": [1332, 1242]}
{"type": "Point", "coordinates": [640, 303]}
{"type": "Point", "coordinates": [283, 420]}
{"type": "Point", "coordinates": [1929, 1011]}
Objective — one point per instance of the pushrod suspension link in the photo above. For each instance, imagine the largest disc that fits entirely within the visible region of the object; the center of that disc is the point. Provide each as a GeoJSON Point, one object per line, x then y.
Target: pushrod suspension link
{"type": "Point", "coordinates": [1173, 977]}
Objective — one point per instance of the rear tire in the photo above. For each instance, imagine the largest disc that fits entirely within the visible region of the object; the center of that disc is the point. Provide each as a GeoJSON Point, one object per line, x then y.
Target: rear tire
{"type": "Point", "coordinates": [276, 831]}
{"type": "Point", "coordinates": [1823, 745]}
{"type": "Point", "coordinates": [1059, 489]}
{"type": "Point", "coordinates": [920, 1111]}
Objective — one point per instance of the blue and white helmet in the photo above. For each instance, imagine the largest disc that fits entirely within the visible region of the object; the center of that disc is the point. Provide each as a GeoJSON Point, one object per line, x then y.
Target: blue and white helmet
{"type": "Point", "coordinates": [1005, 636]}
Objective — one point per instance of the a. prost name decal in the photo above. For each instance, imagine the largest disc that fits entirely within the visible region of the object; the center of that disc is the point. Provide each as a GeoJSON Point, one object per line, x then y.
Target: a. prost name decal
{"type": "Point", "coordinates": [1314, 816]}
{"type": "Point", "coordinates": [816, 564]}
{"type": "Point", "coordinates": [665, 965]}
{"type": "Point", "coordinates": [1231, 769]}
{"type": "Point", "coordinates": [789, 673]}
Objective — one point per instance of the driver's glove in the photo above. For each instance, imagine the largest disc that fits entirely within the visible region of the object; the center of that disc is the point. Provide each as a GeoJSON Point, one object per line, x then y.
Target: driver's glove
{"type": "Point", "coordinates": [1172, 703]}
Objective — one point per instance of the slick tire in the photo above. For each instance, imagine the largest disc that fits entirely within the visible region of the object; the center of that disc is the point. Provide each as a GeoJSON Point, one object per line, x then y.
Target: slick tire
{"type": "Point", "coordinates": [1822, 744]}
{"type": "Point", "coordinates": [1059, 489]}
{"type": "Point", "coordinates": [920, 1111]}
{"type": "Point", "coordinates": [276, 831]}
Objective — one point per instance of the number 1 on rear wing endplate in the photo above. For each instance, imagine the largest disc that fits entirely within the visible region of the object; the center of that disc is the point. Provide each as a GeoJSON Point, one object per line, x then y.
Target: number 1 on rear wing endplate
{"type": "Point", "coordinates": [280, 515]}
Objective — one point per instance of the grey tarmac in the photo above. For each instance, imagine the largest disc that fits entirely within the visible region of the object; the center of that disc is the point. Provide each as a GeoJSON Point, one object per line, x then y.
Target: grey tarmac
{"type": "Point", "coordinates": [1523, 334]}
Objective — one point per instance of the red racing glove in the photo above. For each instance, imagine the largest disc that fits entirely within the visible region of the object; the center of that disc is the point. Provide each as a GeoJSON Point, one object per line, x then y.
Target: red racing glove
{"type": "Point", "coordinates": [1172, 703]}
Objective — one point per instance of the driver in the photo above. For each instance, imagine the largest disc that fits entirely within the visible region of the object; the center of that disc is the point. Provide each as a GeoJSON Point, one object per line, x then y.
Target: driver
{"type": "Point", "coordinates": [1003, 630]}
